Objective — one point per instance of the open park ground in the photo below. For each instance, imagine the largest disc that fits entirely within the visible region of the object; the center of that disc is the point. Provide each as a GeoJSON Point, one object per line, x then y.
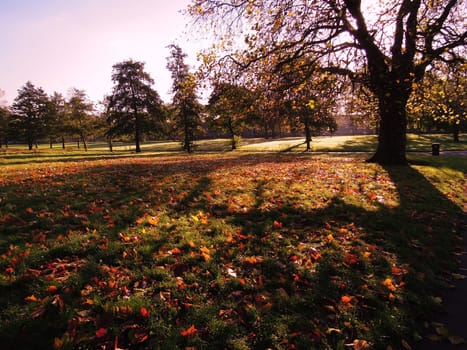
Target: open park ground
{"type": "Point", "coordinates": [267, 247]}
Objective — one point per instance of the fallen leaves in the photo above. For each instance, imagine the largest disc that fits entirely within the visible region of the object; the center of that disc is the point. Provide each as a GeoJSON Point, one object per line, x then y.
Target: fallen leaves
{"type": "Point", "coordinates": [140, 250]}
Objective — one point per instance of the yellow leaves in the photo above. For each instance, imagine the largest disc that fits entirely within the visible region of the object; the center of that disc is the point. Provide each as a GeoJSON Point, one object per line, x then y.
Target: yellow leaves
{"type": "Point", "coordinates": [311, 104]}
{"type": "Point", "coordinates": [389, 284]}
{"type": "Point", "coordinates": [146, 218]}
{"type": "Point", "coordinates": [252, 260]}
{"type": "Point", "coordinates": [205, 253]}
{"type": "Point", "coordinates": [200, 218]}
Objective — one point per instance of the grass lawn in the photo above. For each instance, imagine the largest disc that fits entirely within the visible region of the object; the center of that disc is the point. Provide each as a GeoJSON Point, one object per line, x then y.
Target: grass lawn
{"type": "Point", "coordinates": [223, 250]}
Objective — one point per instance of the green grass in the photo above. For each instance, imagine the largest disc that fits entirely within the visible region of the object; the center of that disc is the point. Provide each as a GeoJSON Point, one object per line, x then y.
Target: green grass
{"type": "Point", "coordinates": [360, 143]}
{"type": "Point", "coordinates": [236, 250]}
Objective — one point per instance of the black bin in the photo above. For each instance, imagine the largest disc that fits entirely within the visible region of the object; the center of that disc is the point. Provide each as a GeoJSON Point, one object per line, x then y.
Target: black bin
{"type": "Point", "coordinates": [435, 149]}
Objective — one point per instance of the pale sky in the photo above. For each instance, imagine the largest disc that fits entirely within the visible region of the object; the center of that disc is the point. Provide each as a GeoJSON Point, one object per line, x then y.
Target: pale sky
{"type": "Point", "coordinates": [60, 44]}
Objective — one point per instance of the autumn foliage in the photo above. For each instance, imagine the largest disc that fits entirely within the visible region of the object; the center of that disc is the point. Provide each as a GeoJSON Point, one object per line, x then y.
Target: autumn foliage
{"type": "Point", "coordinates": [216, 252]}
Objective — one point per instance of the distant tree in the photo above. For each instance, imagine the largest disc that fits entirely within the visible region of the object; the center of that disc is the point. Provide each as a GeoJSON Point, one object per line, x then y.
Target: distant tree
{"type": "Point", "coordinates": [4, 125]}
{"type": "Point", "coordinates": [133, 107]}
{"type": "Point", "coordinates": [386, 45]}
{"type": "Point", "coordinates": [230, 107]}
{"type": "Point", "coordinates": [57, 122]}
{"type": "Point", "coordinates": [186, 109]}
{"type": "Point", "coordinates": [29, 114]}
{"type": "Point", "coordinates": [80, 114]}
{"type": "Point", "coordinates": [440, 99]}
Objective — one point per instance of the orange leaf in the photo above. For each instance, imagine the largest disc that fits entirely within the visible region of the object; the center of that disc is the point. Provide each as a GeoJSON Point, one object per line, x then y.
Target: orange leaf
{"type": "Point", "coordinates": [29, 210]}
{"type": "Point", "coordinates": [277, 224]}
{"type": "Point", "coordinates": [176, 251]}
{"type": "Point", "coordinates": [31, 298]}
{"type": "Point", "coordinates": [389, 284]}
{"type": "Point", "coordinates": [101, 332]}
{"type": "Point", "coordinates": [189, 331]}
{"type": "Point", "coordinates": [347, 299]}
{"type": "Point", "coordinates": [153, 221]}
{"type": "Point", "coordinates": [359, 344]}
{"type": "Point", "coordinates": [52, 289]}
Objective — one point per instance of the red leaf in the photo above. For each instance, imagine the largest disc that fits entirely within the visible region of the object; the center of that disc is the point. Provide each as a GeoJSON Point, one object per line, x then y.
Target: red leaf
{"type": "Point", "coordinates": [101, 332]}
{"type": "Point", "coordinates": [144, 312]}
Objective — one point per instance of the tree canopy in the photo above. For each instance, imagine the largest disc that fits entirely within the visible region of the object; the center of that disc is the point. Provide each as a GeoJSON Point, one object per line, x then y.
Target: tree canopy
{"type": "Point", "coordinates": [29, 113]}
{"type": "Point", "coordinates": [134, 104]}
{"type": "Point", "coordinates": [186, 109]}
{"type": "Point", "coordinates": [385, 45]}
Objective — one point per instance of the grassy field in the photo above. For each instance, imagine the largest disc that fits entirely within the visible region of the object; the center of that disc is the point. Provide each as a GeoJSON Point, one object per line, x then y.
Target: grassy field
{"type": "Point", "coordinates": [233, 250]}
{"type": "Point", "coordinates": [364, 143]}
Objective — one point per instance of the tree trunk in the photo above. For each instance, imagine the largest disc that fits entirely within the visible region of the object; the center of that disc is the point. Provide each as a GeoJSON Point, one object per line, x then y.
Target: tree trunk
{"type": "Point", "coordinates": [455, 133]}
{"type": "Point", "coordinates": [232, 136]}
{"type": "Point", "coordinates": [137, 139]}
{"type": "Point", "coordinates": [84, 142]}
{"type": "Point", "coordinates": [63, 142]}
{"type": "Point", "coordinates": [392, 138]}
{"type": "Point", "coordinates": [307, 134]}
{"type": "Point", "coordinates": [110, 144]}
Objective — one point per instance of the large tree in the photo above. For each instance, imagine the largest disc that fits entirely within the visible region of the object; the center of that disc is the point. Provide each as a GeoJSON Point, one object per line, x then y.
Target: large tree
{"type": "Point", "coordinates": [134, 105]}
{"type": "Point", "coordinates": [186, 109]}
{"type": "Point", "coordinates": [387, 45]}
{"type": "Point", "coordinates": [4, 122]}
{"type": "Point", "coordinates": [29, 113]}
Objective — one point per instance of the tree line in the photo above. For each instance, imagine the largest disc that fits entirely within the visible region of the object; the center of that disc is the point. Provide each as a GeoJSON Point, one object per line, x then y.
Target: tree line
{"type": "Point", "coordinates": [134, 110]}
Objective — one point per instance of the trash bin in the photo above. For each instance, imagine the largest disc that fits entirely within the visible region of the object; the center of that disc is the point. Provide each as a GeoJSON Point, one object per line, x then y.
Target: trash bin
{"type": "Point", "coordinates": [435, 149]}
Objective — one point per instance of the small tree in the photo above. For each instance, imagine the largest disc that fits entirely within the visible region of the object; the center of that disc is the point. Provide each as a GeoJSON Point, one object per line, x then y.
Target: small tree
{"type": "Point", "coordinates": [57, 123]}
{"type": "Point", "coordinates": [30, 110]}
{"type": "Point", "coordinates": [186, 109]}
{"type": "Point", "coordinates": [133, 106]}
{"type": "Point", "coordinates": [80, 115]}
{"type": "Point", "coordinates": [230, 107]}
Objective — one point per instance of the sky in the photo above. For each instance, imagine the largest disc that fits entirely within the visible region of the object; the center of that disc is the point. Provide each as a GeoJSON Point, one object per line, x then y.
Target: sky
{"type": "Point", "coordinates": [64, 44]}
